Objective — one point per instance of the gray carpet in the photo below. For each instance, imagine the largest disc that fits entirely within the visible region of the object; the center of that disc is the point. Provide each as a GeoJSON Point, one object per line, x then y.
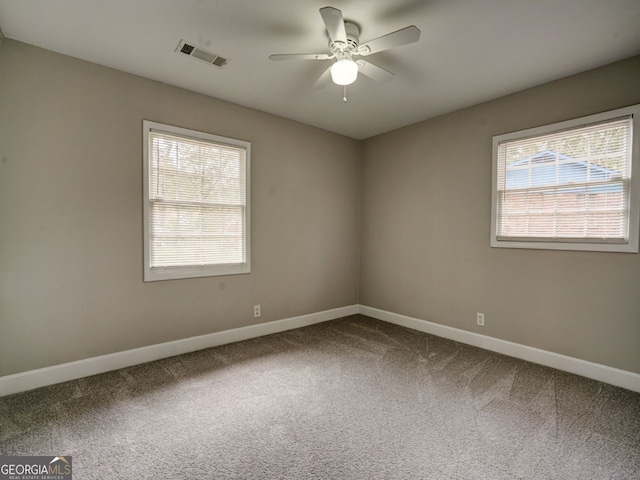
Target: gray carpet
{"type": "Point", "coordinates": [354, 398]}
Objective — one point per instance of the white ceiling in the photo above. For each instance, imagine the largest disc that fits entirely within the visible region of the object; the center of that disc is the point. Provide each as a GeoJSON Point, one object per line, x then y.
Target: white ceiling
{"type": "Point", "coordinates": [470, 51]}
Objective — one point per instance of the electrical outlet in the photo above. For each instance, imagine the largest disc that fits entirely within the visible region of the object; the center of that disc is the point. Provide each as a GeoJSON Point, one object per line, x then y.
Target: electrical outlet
{"type": "Point", "coordinates": [256, 311]}
{"type": "Point", "coordinates": [480, 319]}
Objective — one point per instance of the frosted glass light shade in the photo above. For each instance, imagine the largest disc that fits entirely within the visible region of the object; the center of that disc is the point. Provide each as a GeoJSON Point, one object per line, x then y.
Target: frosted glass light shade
{"type": "Point", "coordinates": [344, 71]}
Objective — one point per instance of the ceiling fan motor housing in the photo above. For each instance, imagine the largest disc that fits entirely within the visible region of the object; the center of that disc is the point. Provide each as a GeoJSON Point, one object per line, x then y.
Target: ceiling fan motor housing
{"type": "Point", "coordinates": [353, 40]}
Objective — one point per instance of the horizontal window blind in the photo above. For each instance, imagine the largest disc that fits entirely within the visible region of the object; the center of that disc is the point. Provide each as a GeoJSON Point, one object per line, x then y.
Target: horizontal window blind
{"type": "Point", "coordinates": [566, 186]}
{"type": "Point", "coordinates": [197, 202]}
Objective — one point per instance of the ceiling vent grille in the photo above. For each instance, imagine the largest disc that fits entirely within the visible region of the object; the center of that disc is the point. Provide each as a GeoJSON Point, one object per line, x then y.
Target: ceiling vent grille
{"type": "Point", "coordinates": [188, 48]}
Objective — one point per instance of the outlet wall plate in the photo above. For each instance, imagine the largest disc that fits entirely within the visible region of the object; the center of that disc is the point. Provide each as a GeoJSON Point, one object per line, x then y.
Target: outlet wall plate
{"type": "Point", "coordinates": [480, 319]}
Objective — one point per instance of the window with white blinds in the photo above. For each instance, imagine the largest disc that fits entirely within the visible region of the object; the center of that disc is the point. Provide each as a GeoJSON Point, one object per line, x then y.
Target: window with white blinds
{"type": "Point", "coordinates": [569, 185]}
{"type": "Point", "coordinates": [196, 203]}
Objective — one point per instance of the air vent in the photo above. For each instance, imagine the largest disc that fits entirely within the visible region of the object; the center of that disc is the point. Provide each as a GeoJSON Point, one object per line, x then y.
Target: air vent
{"type": "Point", "coordinates": [188, 48]}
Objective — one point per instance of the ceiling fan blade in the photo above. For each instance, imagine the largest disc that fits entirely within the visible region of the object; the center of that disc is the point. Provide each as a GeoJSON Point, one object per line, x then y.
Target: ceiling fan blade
{"type": "Point", "coordinates": [400, 37]}
{"type": "Point", "coordinates": [334, 22]}
{"type": "Point", "coordinates": [373, 71]}
{"type": "Point", "coordinates": [323, 80]}
{"type": "Point", "coordinates": [300, 56]}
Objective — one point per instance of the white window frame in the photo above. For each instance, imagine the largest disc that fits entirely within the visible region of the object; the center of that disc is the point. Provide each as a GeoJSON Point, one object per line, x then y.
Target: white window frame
{"type": "Point", "coordinates": [631, 246]}
{"type": "Point", "coordinates": [191, 271]}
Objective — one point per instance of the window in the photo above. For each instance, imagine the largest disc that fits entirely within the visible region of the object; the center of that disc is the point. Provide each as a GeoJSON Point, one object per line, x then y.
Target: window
{"type": "Point", "coordinates": [569, 186]}
{"type": "Point", "coordinates": [196, 203]}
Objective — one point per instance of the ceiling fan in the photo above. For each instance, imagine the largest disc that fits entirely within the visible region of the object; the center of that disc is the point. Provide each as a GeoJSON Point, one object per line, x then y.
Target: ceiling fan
{"type": "Point", "coordinates": [344, 44]}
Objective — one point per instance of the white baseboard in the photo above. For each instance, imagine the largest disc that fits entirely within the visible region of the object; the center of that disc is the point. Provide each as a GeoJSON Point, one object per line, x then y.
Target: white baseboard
{"type": "Point", "coordinates": [42, 377]}
{"type": "Point", "coordinates": [596, 371]}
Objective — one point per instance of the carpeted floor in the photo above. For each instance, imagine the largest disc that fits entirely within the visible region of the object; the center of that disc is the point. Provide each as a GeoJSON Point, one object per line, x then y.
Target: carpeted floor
{"type": "Point", "coordinates": [354, 398]}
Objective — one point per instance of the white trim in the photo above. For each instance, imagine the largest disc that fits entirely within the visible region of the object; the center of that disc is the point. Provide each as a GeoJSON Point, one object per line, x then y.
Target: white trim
{"type": "Point", "coordinates": [42, 377]}
{"type": "Point", "coordinates": [174, 273]}
{"type": "Point", "coordinates": [633, 243]}
{"type": "Point", "coordinates": [596, 371]}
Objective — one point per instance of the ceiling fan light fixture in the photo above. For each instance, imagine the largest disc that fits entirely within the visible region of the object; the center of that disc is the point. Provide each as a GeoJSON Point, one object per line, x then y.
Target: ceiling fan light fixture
{"type": "Point", "coordinates": [344, 71]}
{"type": "Point", "coordinates": [344, 44]}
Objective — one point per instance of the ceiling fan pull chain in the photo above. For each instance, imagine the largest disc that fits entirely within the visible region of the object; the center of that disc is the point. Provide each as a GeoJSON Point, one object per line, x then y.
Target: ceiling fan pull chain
{"type": "Point", "coordinates": [344, 98]}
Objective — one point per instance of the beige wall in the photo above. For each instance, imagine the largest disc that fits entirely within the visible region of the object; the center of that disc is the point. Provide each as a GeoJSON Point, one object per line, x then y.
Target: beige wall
{"type": "Point", "coordinates": [426, 199]}
{"type": "Point", "coordinates": [71, 214]}
{"type": "Point", "coordinates": [71, 221]}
